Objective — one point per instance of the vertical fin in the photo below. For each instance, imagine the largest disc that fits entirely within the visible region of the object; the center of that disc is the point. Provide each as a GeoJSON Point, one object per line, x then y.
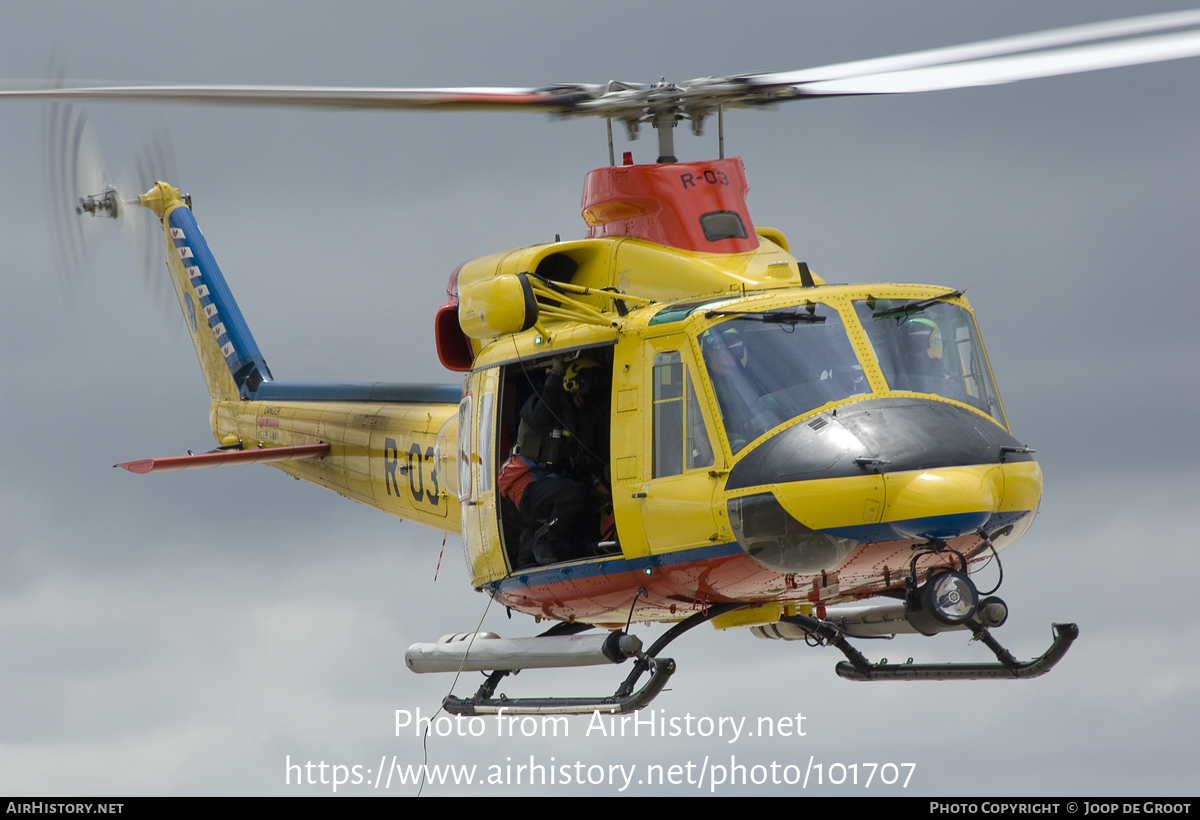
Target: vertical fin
{"type": "Point", "coordinates": [229, 357]}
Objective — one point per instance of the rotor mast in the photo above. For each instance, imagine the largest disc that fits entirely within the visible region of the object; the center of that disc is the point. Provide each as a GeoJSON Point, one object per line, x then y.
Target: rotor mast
{"type": "Point", "coordinates": [664, 124]}
{"type": "Point", "coordinates": [663, 105]}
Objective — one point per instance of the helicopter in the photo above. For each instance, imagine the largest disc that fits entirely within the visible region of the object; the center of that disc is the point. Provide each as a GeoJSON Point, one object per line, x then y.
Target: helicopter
{"type": "Point", "coordinates": [771, 302]}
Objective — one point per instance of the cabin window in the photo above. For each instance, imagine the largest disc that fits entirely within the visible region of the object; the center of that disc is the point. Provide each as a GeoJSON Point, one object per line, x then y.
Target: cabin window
{"type": "Point", "coordinates": [680, 440]}
{"type": "Point", "coordinates": [464, 448]}
{"type": "Point", "coordinates": [487, 464]}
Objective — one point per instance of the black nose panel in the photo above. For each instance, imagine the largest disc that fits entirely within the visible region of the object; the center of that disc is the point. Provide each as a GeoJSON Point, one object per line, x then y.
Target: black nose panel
{"type": "Point", "coordinates": [909, 433]}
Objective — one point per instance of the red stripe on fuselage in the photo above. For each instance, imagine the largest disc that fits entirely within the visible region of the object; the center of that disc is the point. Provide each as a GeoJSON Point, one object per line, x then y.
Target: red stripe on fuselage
{"type": "Point", "coordinates": [691, 585]}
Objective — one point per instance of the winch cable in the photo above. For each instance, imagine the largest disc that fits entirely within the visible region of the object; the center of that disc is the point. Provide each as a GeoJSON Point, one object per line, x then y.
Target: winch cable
{"type": "Point", "coordinates": [442, 705]}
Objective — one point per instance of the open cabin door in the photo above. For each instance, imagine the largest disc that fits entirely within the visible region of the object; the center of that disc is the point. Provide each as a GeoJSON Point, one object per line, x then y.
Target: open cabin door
{"type": "Point", "coordinates": [568, 449]}
{"type": "Point", "coordinates": [477, 465]}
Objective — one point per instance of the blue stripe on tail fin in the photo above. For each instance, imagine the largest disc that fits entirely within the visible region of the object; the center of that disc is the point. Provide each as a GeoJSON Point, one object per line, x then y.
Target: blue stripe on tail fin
{"type": "Point", "coordinates": [246, 364]}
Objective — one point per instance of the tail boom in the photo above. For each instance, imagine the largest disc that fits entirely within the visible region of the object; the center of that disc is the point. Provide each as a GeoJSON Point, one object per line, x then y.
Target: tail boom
{"type": "Point", "coordinates": [383, 440]}
{"type": "Point", "coordinates": [386, 455]}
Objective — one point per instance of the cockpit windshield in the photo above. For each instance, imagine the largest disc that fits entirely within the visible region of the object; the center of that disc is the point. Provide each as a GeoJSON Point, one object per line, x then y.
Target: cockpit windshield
{"type": "Point", "coordinates": [768, 367]}
{"type": "Point", "coordinates": [930, 347]}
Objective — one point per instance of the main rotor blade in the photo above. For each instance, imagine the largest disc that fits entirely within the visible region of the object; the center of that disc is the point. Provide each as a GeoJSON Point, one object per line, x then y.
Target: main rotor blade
{"type": "Point", "coordinates": [1010, 69]}
{"type": "Point", "coordinates": [987, 48]}
{"type": "Point", "coordinates": [556, 98]}
{"type": "Point", "coordinates": [1004, 60]}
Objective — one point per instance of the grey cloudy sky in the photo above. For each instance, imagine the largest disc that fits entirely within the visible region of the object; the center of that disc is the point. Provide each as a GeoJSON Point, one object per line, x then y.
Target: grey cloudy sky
{"type": "Point", "coordinates": [185, 634]}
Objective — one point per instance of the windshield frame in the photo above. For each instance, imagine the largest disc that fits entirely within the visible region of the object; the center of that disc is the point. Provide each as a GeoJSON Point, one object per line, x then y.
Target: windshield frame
{"type": "Point", "coordinates": [839, 299]}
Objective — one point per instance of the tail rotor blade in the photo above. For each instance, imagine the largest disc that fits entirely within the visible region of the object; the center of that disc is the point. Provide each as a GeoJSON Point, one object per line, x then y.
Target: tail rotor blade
{"type": "Point", "coordinates": [75, 170]}
{"type": "Point", "coordinates": [84, 200]}
{"type": "Point", "coordinates": [155, 162]}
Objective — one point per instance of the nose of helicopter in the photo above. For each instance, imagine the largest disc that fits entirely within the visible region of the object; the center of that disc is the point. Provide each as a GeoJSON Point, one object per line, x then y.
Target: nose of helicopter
{"type": "Point", "coordinates": [942, 503]}
{"type": "Point", "coordinates": [877, 470]}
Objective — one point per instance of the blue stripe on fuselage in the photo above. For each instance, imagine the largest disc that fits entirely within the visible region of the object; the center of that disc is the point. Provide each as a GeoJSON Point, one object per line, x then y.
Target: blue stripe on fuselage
{"type": "Point", "coordinates": [934, 526]}
{"type": "Point", "coordinates": [538, 577]}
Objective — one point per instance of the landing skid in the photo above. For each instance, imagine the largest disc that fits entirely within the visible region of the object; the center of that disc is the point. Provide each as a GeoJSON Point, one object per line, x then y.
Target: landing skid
{"type": "Point", "coordinates": [826, 633]}
{"type": "Point", "coordinates": [625, 699]}
{"type": "Point", "coordinates": [859, 668]}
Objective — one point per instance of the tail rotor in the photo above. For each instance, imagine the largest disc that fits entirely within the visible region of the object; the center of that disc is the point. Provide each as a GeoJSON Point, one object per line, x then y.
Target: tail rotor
{"type": "Point", "coordinates": [84, 199]}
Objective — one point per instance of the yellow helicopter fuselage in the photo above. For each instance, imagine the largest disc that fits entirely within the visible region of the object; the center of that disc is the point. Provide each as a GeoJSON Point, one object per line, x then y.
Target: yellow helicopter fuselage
{"type": "Point", "coordinates": [773, 440]}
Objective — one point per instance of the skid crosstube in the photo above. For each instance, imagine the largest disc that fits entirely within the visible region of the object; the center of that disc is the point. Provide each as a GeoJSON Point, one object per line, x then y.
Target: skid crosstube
{"type": "Point", "coordinates": [662, 671]}
{"type": "Point", "coordinates": [624, 700]}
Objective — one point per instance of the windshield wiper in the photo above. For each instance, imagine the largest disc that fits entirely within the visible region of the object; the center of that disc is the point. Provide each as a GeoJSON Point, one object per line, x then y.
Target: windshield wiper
{"type": "Point", "coordinates": [777, 317]}
{"type": "Point", "coordinates": [915, 305]}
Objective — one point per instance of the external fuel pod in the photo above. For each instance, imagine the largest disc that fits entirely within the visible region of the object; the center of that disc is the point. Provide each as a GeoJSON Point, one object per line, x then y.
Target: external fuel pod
{"type": "Point", "coordinates": [488, 652]}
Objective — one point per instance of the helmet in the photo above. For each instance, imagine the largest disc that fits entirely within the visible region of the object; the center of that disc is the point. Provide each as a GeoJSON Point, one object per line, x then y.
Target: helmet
{"type": "Point", "coordinates": [724, 340]}
{"type": "Point", "coordinates": [578, 380]}
{"type": "Point", "coordinates": [920, 328]}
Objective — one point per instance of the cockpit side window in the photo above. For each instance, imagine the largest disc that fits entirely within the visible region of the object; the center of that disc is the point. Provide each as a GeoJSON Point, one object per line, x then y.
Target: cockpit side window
{"type": "Point", "coordinates": [680, 439]}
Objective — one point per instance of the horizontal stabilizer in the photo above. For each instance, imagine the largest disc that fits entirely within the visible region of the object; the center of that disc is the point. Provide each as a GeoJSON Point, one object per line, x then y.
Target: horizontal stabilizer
{"type": "Point", "coordinates": [264, 455]}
